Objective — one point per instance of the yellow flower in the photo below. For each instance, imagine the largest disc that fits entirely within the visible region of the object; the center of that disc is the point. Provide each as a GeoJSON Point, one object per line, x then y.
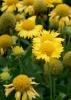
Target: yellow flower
{"type": "Point", "coordinates": [28, 28]}
{"type": "Point", "coordinates": [62, 13]}
{"type": "Point", "coordinates": [9, 5]}
{"type": "Point", "coordinates": [24, 4]}
{"type": "Point", "coordinates": [17, 50]}
{"type": "Point", "coordinates": [47, 46]}
{"type": "Point", "coordinates": [5, 75]}
{"type": "Point", "coordinates": [5, 41]}
{"type": "Point", "coordinates": [22, 84]}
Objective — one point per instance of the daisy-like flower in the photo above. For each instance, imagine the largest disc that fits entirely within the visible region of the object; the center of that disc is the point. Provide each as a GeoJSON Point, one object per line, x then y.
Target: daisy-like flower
{"type": "Point", "coordinates": [17, 50]}
{"type": "Point", "coordinates": [62, 13]}
{"type": "Point", "coordinates": [22, 84]}
{"type": "Point", "coordinates": [47, 46]}
{"type": "Point", "coordinates": [28, 28]}
{"type": "Point", "coordinates": [22, 5]}
{"type": "Point", "coordinates": [9, 5]}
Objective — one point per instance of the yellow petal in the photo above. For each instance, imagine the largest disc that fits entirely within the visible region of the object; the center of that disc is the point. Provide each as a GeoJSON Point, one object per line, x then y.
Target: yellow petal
{"type": "Point", "coordinates": [25, 96]}
{"type": "Point", "coordinates": [18, 95]}
{"type": "Point", "coordinates": [8, 91]}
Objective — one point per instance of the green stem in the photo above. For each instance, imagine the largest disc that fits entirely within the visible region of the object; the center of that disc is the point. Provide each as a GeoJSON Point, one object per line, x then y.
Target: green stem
{"type": "Point", "coordinates": [20, 65]}
{"type": "Point", "coordinates": [68, 42]}
{"type": "Point", "coordinates": [54, 87]}
{"type": "Point", "coordinates": [50, 83]}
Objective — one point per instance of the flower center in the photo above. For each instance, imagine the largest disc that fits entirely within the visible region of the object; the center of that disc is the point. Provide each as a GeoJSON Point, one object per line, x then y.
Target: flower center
{"type": "Point", "coordinates": [28, 24]}
{"type": "Point", "coordinates": [21, 83]}
{"type": "Point", "coordinates": [63, 10]}
{"type": "Point", "coordinates": [11, 2]}
{"type": "Point", "coordinates": [47, 47]}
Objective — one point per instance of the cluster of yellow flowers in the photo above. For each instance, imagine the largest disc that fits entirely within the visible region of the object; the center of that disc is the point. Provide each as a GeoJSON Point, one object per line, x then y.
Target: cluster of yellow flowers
{"type": "Point", "coordinates": [46, 44]}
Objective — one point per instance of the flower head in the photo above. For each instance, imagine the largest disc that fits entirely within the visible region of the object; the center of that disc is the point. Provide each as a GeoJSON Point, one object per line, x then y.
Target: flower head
{"type": "Point", "coordinates": [17, 50]}
{"type": "Point", "coordinates": [22, 84]}
{"type": "Point", "coordinates": [67, 59]}
{"type": "Point", "coordinates": [55, 65]}
{"type": "Point", "coordinates": [9, 5]}
{"type": "Point", "coordinates": [5, 41]}
{"type": "Point", "coordinates": [47, 46]}
{"type": "Point", "coordinates": [28, 28]}
{"type": "Point", "coordinates": [62, 13]}
{"type": "Point", "coordinates": [5, 74]}
{"type": "Point", "coordinates": [24, 5]}
{"type": "Point", "coordinates": [7, 22]}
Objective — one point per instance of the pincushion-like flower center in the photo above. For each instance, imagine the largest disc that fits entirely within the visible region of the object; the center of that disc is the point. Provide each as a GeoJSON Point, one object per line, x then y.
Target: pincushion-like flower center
{"type": "Point", "coordinates": [63, 10]}
{"type": "Point", "coordinates": [21, 83]}
{"type": "Point", "coordinates": [47, 47]}
{"type": "Point", "coordinates": [11, 2]}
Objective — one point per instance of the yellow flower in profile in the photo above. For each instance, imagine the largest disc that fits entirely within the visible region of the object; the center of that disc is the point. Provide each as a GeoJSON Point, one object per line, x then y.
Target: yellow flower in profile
{"type": "Point", "coordinates": [22, 84]}
{"type": "Point", "coordinates": [5, 41]}
{"type": "Point", "coordinates": [47, 46]}
{"type": "Point", "coordinates": [17, 50]}
{"type": "Point", "coordinates": [62, 13]}
{"type": "Point", "coordinates": [9, 5]}
{"type": "Point", "coordinates": [28, 28]}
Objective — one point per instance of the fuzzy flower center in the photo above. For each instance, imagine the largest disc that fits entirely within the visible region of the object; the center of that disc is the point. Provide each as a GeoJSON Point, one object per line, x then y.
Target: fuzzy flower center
{"type": "Point", "coordinates": [63, 10]}
{"type": "Point", "coordinates": [11, 2]}
{"type": "Point", "coordinates": [21, 83]}
{"type": "Point", "coordinates": [47, 47]}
